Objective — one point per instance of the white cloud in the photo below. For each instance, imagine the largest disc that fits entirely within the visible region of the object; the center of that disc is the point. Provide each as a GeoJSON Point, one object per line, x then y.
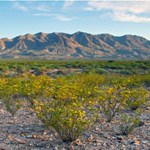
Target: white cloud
{"type": "Point", "coordinates": [130, 11]}
{"type": "Point", "coordinates": [118, 16]}
{"type": "Point", "coordinates": [59, 17]}
{"type": "Point", "coordinates": [130, 6]}
{"type": "Point", "coordinates": [20, 7]}
{"type": "Point", "coordinates": [68, 3]}
{"type": "Point", "coordinates": [42, 8]}
{"type": "Point", "coordinates": [63, 18]}
{"type": "Point", "coordinates": [43, 14]}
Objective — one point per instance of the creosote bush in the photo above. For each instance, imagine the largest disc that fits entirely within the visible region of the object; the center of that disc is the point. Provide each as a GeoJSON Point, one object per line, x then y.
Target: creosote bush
{"type": "Point", "coordinates": [137, 97]}
{"type": "Point", "coordinates": [112, 100]}
{"type": "Point", "coordinates": [129, 123]}
{"type": "Point", "coordinates": [68, 111]}
{"type": "Point", "coordinates": [71, 104]}
{"type": "Point", "coordinates": [115, 98]}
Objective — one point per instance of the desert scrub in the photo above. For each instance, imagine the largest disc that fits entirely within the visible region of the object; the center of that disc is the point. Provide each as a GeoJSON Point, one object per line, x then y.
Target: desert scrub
{"type": "Point", "coordinates": [137, 97]}
{"type": "Point", "coordinates": [68, 121]}
{"type": "Point", "coordinates": [129, 123]}
{"type": "Point", "coordinates": [67, 111]}
{"type": "Point", "coordinates": [120, 94]}
{"type": "Point", "coordinates": [112, 100]}
{"type": "Point", "coordinates": [9, 89]}
{"type": "Point", "coordinates": [35, 87]}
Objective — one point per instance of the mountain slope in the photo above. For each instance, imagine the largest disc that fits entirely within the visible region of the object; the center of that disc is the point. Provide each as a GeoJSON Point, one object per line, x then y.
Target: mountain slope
{"type": "Point", "coordinates": [77, 45]}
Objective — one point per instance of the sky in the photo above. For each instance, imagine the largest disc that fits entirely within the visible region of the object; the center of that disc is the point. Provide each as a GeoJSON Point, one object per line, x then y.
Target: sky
{"type": "Point", "coordinates": [69, 16]}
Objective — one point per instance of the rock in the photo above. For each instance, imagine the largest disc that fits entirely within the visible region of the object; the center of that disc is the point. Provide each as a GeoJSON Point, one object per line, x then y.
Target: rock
{"type": "Point", "coordinates": [119, 138]}
{"type": "Point", "coordinates": [106, 135]}
{"type": "Point", "coordinates": [41, 145]}
{"type": "Point", "coordinates": [29, 136]}
{"type": "Point", "coordinates": [113, 137]}
{"type": "Point", "coordinates": [78, 142]}
{"type": "Point", "coordinates": [131, 142]}
{"type": "Point", "coordinates": [137, 142]}
{"type": "Point", "coordinates": [20, 141]}
{"type": "Point", "coordinates": [141, 123]}
{"type": "Point", "coordinates": [35, 136]}
{"type": "Point", "coordinates": [145, 142]}
{"type": "Point", "coordinates": [10, 137]}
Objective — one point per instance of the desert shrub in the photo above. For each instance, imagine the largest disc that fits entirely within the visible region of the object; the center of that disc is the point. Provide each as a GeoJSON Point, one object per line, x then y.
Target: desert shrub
{"type": "Point", "coordinates": [101, 71]}
{"type": "Point", "coordinates": [35, 87]}
{"type": "Point", "coordinates": [8, 93]}
{"type": "Point", "coordinates": [119, 96]}
{"type": "Point", "coordinates": [67, 110]}
{"type": "Point", "coordinates": [144, 79]}
{"type": "Point", "coordinates": [129, 123]}
{"type": "Point", "coordinates": [137, 97]}
{"type": "Point", "coordinates": [71, 104]}
{"type": "Point", "coordinates": [112, 100]}
{"type": "Point", "coordinates": [68, 120]}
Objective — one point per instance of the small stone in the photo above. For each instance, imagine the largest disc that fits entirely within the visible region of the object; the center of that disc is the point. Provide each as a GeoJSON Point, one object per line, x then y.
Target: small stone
{"type": "Point", "coordinates": [41, 145]}
{"type": "Point", "coordinates": [30, 144]}
{"type": "Point", "coordinates": [104, 144]}
{"type": "Point", "coordinates": [44, 138]}
{"type": "Point", "coordinates": [106, 135]}
{"type": "Point", "coordinates": [29, 136]}
{"type": "Point", "coordinates": [20, 141]}
{"type": "Point", "coordinates": [141, 123]}
{"type": "Point", "coordinates": [78, 142]}
{"type": "Point", "coordinates": [35, 136]}
{"type": "Point", "coordinates": [119, 138]}
{"type": "Point", "coordinates": [22, 133]}
{"type": "Point", "coordinates": [90, 139]}
{"type": "Point", "coordinates": [44, 133]}
{"type": "Point", "coordinates": [124, 146]}
{"type": "Point", "coordinates": [56, 148]}
{"type": "Point", "coordinates": [112, 147]}
{"type": "Point", "coordinates": [10, 137]}
{"type": "Point", "coordinates": [137, 142]}
{"type": "Point", "coordinates": [113, 137]}
{"type": "Point", "coordinates": [96, 128]}
{"type": "Point", "coordinates": [145, 142]}
{"type": "Point", "coordinates": [131, 142]}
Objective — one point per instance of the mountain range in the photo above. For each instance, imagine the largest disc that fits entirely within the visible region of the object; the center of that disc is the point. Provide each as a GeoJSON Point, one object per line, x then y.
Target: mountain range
{"type": "Point", "coordinates": [77, 45]}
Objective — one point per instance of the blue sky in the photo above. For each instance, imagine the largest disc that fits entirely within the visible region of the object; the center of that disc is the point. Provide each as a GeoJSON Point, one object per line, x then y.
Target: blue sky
{"type": "Point", "coordinates": [92, 16]}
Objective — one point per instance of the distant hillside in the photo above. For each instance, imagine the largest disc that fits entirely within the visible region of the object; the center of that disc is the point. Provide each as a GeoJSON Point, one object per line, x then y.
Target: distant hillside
{"type": "Point", "coordinates": [77, 45]}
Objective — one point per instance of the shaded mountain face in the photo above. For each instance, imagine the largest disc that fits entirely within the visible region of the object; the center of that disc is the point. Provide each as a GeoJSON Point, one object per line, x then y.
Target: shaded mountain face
{"type": "Point", "coordinates": [77, 45]}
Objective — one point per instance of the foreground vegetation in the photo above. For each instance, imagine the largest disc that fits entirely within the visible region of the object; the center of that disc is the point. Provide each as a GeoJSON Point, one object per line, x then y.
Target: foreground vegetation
{"type": "Point", "coordinates": [73, 103]}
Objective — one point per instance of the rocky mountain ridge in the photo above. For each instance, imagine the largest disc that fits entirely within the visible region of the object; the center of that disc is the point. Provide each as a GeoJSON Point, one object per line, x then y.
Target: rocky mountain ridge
{"type": "Point", "coordinates": [77, 45]}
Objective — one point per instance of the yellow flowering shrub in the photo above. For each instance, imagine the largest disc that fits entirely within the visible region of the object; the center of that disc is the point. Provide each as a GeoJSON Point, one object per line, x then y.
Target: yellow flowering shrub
{"type": "Point", "coordinates": [137, 97]}
{"type": "Point", "coordinates": [71, 104]}
{"type": "Point", "coordinates": [67, 110]}
{"type": "Point", "coordinates": [114, 98]}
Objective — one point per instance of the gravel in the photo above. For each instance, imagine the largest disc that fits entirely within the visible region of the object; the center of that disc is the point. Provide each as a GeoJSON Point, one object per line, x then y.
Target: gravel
{"type": "Point", "coordinates": [24, 131]}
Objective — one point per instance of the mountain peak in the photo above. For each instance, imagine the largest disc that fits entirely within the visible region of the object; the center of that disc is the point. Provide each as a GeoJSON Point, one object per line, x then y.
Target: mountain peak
{"type": "Point", "coordinates": [28, 36]}
{"type": "Point", "coordinates": [77, 45]}
{"type": "Point", "coordinates": [41, 35]}
{"type": "Point", "coordinates": [80, 33]}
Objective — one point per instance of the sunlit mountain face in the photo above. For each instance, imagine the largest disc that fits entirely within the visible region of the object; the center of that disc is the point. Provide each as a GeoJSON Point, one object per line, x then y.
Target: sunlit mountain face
{"type": "Point", "coordinates": [77, 45]}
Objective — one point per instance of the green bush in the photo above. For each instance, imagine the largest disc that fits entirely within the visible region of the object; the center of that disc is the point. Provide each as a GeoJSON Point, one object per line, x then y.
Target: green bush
{"type": "Point", "coordinates": [129, 123]}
